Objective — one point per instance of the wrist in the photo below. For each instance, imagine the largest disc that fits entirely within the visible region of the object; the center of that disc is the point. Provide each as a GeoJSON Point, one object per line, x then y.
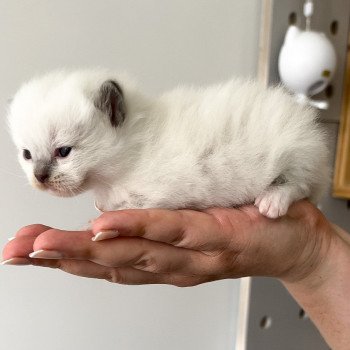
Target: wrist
{"type": "Point", "coordinates": [320, 244]}
{"type": "Point", "coordinates": [323, 291]}
{"type": "Point", "coordinates": [321, 259]}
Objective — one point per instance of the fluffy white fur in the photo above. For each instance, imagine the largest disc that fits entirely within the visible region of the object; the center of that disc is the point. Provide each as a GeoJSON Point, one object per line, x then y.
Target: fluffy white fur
{"type": "Point", "coordinates": [224, 145]}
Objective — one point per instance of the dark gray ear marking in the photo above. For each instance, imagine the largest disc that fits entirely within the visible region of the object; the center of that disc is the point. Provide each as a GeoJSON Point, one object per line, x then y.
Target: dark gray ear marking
{"type": "Point", "coordinates": [110, 100]}
{"type": "Point", "coordinates": [279, 180]}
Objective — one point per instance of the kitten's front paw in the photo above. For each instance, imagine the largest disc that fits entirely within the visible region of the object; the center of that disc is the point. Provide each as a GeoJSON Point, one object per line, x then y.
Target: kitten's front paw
{"type": "Point", "coordinates": [273, 203]}
{"type": "Point", "coordinates": [87, 226]}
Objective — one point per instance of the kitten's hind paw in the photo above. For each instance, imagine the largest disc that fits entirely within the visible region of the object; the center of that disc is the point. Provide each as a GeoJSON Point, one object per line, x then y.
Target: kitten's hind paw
{"type": "Point", "coordinates": [273, 203]}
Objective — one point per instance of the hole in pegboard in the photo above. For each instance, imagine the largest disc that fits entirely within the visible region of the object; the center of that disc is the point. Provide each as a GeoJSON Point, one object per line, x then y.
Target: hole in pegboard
{"type": "Point", "coordinates": [292, 19]}
{"type": "Point", "coordinates": [266, 322]}
{"type": "Point", "coordinates": [329, 92]}
{"type": "Point", "coordinates": [334, 27]}
{"type": "Point", "coordinates": [303, 315]}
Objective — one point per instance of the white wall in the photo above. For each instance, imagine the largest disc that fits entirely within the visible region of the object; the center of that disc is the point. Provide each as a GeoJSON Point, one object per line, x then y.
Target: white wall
{"type": "Point", "coordinates": [162, 43]}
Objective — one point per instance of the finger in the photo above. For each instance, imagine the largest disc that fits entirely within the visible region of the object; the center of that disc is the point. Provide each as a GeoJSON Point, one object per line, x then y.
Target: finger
{"type": "Point", "coordinates": [181, 228]}
{"type": "Point", "coordinates": [18, 248]}
{"type": "Point", "coordinates": [30, 230]}
{"type": "Point", "coordinates": [123, 275]}
{"type": "Point", "coordinates": [138, 253]}
{"type": "Point", "coordinates": [16, 261]}
{"type": "Point", "coordinates": [22, 245]}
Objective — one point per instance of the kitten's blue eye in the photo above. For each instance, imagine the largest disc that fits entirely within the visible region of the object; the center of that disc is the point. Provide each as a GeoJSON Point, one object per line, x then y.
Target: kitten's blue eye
{"type": "Point", "coordinates": [63, 152]}
{"type": "Point", "coordinates": [26, 154]}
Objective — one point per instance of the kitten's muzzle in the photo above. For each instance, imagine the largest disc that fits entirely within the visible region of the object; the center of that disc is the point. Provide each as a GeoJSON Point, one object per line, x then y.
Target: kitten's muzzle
{"type": "Point", "coordinates": [41, 177]}
{"type": "Point", "coordinates": [42, 173]}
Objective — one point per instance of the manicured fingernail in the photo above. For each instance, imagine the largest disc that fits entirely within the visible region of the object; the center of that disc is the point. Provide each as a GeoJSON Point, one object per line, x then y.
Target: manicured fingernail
{"type": "Point", "coordinates": [16, 261]}
{"type": "Point", "coordinates": [46, 254]}
{"type": "Point", "coordinates": [11, 239]}
{"type": "Point", "coordinates": [108, 234]}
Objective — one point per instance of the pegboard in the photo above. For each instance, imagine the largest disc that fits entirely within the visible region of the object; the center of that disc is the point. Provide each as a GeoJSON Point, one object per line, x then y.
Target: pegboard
{"type": "Point", "coordinates": [269, 319]}
{"type": "Point", "coordinates": [276, 321]}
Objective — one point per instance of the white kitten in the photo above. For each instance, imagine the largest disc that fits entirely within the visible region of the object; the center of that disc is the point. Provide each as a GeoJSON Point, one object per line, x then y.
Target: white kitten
{"type": "Point", "coordinates": [225, 145]}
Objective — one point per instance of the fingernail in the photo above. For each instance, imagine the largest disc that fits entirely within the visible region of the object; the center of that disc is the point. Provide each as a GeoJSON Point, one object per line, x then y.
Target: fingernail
{"type": "Point", "coordinates": [46, 254]}
{"type": "Point", "coordinates": [11, 239]}
{"type": "Point", "coordinates": [108, 234]}
{"type": "Point", "coordinates": [16, 261]}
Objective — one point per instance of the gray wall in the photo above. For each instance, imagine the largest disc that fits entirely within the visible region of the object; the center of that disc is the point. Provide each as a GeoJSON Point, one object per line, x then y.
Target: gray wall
{"type": "Point", "coordinates": [163, 43]}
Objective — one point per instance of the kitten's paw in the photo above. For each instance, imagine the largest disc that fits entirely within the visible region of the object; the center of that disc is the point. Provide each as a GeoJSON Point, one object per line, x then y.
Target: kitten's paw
{"type": "Point", "coordinates": [87, 226]}
{"type": "Point", "coordinates": [273, 203]}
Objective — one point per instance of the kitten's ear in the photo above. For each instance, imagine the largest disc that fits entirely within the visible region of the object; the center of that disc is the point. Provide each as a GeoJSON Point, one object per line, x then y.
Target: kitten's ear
{"type": "Point", "coordinates": [110, 100]}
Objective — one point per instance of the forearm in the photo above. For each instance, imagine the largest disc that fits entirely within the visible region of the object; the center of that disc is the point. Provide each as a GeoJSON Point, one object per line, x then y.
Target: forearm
{"type": "Point", "coordinates": [325, 293]}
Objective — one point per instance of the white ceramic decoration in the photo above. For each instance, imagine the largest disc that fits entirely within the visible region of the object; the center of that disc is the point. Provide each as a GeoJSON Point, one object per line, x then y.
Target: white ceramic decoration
{"type": "Point", "coordinates": [306, 64]}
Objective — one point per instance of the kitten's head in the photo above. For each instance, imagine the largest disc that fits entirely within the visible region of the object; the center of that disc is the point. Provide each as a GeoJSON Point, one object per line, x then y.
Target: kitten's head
{"type": "Point", "coordinates": [65, 126]}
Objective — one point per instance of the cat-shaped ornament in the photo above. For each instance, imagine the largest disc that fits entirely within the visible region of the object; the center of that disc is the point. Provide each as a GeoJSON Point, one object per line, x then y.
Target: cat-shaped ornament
{"type": "Point", "coordinates": [306, 64]}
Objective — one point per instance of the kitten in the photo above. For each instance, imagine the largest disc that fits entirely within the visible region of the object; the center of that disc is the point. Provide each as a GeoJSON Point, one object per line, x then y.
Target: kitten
{"type": "Point", "coordinates": [225, 145]}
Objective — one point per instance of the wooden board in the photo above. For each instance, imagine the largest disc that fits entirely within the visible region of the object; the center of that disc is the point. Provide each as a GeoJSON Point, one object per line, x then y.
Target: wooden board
{"type": "Point", "coordinates": [341, 184]}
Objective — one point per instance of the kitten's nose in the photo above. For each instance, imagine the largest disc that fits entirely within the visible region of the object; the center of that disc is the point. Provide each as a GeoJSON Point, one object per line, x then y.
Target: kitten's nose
{"type": "Point", "coordinates": [41, 177]}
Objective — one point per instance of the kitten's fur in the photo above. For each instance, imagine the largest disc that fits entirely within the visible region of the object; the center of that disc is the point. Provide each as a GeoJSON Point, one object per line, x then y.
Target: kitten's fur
{"type": "Point", "coordinates": [225, 145]}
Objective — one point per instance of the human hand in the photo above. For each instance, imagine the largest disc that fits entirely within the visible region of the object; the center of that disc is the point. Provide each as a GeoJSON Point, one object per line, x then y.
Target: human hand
{"type": "Point", "coordinates": [181, 247]}
{"type": "Point", "coordinates": [185, 248]}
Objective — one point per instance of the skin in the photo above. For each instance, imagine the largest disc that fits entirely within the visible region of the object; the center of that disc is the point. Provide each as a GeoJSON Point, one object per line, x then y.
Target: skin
{"type": "Point", "coordinates": [308, 254]}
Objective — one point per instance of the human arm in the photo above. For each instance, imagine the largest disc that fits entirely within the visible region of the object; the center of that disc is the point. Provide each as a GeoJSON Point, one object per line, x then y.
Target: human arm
{"type": "Point", "coordinates": [186, 248]}
{"type": "Point", "coordinates": [325, 292]}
